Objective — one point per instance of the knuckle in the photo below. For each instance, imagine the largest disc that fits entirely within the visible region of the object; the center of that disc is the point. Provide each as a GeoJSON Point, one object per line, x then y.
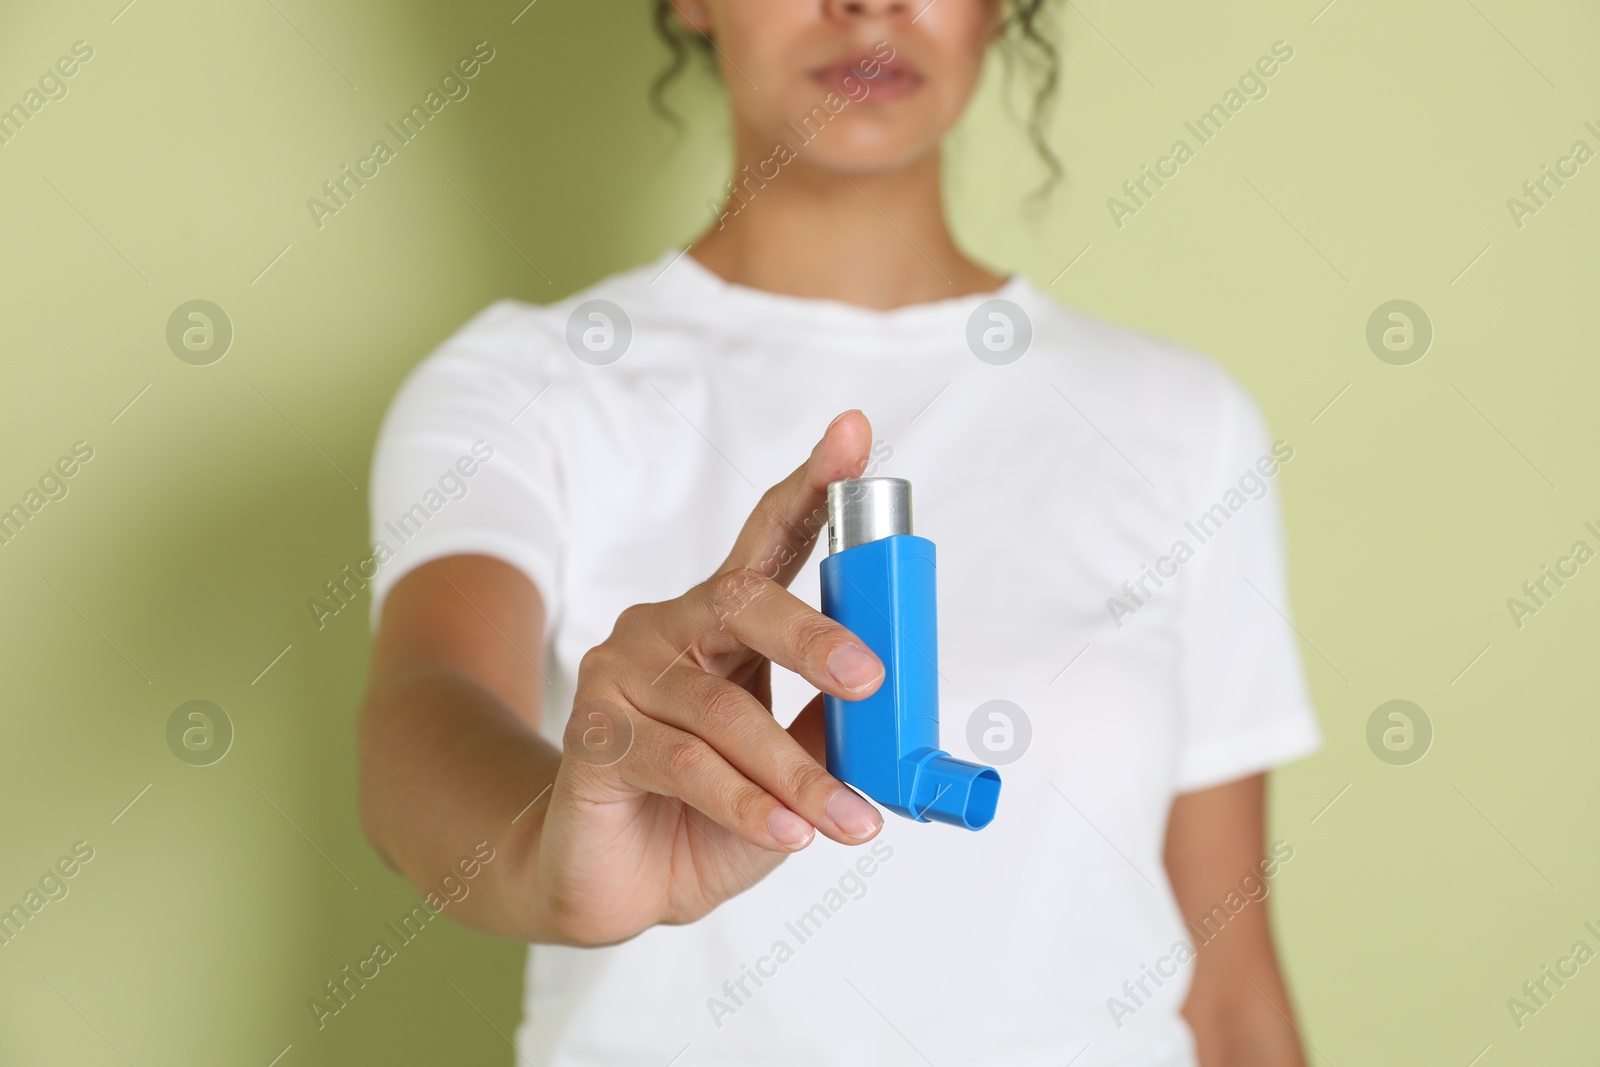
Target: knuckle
{"type": "Point", "coordinates": [804, 778]}
{"type": "Point", "coordinates": [735, 590]}
{"type": "Point", "coordinates": [723, 706]}
{"type": "Point", "coordinates": [810, 634]}
{"type": "Point", "coordinates": [747, 807]}
{"type": "Point", "coordinates": [599, 660]}
{"type": "Point", "coordinates": [686, 757]}
{"type": "Point", "coordinates": [632, 618]}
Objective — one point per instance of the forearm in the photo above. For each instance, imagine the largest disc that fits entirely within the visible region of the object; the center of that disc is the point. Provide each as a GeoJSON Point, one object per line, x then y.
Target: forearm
{"type": "Point", "coordinates": [1241, 1026]}
{"type": "Point", "coordinates": [1238, 1006]}
{"type": "Point", "coordinates": [446, 765]}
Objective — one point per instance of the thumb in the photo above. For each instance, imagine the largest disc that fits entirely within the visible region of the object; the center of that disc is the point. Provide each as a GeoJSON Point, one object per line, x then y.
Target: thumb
{"type": "Point", "coordinates": [778, 535]}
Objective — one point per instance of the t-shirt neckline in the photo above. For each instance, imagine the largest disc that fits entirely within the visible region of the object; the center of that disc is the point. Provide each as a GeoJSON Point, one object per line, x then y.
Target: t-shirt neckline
{"type": "Point", "coordinates": [676, 270]}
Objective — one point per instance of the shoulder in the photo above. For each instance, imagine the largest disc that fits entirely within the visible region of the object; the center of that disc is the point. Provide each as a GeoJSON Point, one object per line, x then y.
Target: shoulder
{"type": "Point", "coordinates": [1148, 375]}
{"type": "Point", "coordinates": [515, 331]}
{"type": "Point", "coordinates": [513, 349]}
{"type": "Point", "coordinates": [1137, 365]}
{"type": "Point", "coordinates": [1179, 408]}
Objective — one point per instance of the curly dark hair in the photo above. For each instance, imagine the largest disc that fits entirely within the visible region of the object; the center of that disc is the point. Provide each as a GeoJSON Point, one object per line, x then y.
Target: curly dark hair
{"type": "Point", "coordinates": [1022, 34]}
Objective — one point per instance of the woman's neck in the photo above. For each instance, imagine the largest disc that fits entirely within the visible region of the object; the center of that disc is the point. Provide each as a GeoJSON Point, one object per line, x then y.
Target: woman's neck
{"type": "Point", "coordinates": [877, 240]}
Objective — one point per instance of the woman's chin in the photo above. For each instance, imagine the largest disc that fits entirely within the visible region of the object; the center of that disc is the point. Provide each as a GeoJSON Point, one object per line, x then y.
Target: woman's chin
{"type": "Point", "coordinates": [869, 156]}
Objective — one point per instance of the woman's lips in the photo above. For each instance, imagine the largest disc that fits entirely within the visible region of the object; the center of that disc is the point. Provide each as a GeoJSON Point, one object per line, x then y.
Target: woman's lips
{"type": "Point", "coordinates": [866, 77]}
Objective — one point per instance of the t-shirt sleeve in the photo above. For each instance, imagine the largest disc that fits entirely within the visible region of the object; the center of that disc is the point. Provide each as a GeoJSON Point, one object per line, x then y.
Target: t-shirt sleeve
{"type": "Point", "coordinates": [465, 462]}
{"type": "Point", "coordinates": [1246, 705]}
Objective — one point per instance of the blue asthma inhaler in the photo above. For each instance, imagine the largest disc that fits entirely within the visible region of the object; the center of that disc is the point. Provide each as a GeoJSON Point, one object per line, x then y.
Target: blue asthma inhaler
{"type": "Point", "coordinates": [878, 582]}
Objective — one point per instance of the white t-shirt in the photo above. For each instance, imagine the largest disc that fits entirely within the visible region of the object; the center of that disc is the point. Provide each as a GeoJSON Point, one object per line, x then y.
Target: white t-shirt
{"type": "Point", "coordinates": [1047, 482]}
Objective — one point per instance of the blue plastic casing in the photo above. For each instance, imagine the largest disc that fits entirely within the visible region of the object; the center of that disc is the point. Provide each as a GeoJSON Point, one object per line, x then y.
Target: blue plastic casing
{"type": "Point", "coordinates": [887, 745]}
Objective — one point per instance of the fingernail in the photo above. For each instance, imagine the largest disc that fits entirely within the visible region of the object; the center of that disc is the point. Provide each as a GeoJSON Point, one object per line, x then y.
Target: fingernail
{"type": "Point", "coordinates": [789, 829]}
{"type": "Point", "coordinates": [854, 667]}
{"type": "Point", "coordinates": [855, 816]}
{"type": "Point", "coordinates": [837, 417]}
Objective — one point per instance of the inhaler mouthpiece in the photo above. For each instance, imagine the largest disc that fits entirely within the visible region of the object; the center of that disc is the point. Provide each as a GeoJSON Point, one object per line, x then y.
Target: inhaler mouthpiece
{"type": "Point", "coordinates": [878, 582]}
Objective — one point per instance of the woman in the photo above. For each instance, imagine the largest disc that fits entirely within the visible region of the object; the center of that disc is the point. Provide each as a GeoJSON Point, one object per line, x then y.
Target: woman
{"type": "Point", "coordinates": [699, 888]}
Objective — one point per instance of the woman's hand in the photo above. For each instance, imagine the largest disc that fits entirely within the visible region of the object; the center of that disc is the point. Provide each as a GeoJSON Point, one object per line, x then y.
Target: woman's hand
{"type": "Point", "coordinates": [677, 787]}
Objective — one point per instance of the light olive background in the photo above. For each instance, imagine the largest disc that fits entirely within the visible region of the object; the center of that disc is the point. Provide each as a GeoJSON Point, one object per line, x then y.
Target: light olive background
{"type": "Point", "coordinates": [178, 567]}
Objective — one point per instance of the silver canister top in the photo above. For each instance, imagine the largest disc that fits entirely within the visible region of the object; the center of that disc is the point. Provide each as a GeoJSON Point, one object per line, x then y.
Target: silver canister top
{"type": "Point", "coordinates": [867, 509]}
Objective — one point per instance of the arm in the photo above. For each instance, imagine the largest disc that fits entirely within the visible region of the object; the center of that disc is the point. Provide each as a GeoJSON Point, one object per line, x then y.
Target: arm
{"type": "Point", "coordinates": [1238, 1006]}
{"type": "Point", "coordinates": [449, 743]}
{"type": "Point", "coordinates": [703, 792]}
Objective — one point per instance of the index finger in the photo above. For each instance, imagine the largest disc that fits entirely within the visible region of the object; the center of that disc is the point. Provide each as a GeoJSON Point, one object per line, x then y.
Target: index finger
{"type": "Point", "coordinates": [778, 535]}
